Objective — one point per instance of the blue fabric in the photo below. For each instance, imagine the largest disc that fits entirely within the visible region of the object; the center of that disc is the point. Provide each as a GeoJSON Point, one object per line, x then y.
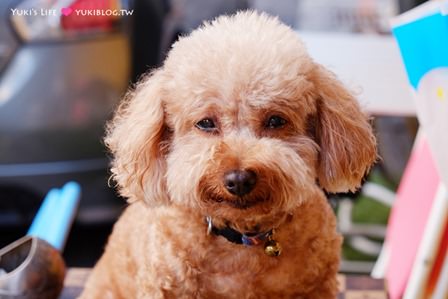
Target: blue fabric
{"type": "Point", "coordinates": [54, 218]}
{"type": "Point", "coordinates": [423, 45]}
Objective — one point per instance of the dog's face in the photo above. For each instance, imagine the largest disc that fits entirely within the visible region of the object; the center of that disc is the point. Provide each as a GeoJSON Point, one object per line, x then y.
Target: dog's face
{"type": "Point", "coordinates": [241, 124]}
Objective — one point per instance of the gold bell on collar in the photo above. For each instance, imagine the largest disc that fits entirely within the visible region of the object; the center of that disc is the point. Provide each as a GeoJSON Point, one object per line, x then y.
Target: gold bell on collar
{"type": "Point", "coordinates": [272, 248]}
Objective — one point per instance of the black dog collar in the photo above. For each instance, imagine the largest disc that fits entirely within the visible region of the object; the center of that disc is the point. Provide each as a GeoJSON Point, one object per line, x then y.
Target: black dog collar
{"type": "Point", "coordinates": [234, 236]}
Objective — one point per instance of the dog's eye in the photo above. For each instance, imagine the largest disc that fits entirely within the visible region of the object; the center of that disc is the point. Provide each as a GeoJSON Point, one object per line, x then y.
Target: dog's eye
{"type": "Point", "coordinates": [206, 124]}
{"type": "Point", "coordinates": [275, 122]}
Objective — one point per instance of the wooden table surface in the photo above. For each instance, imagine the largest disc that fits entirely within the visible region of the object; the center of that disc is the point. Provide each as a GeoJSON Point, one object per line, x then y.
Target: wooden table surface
{"type": "Point", "coordinates": [352, 287]}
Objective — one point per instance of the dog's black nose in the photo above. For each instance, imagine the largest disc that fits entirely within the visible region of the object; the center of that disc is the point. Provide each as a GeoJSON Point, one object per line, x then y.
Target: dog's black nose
{"type": "Point", "coordinates": [240, 182]}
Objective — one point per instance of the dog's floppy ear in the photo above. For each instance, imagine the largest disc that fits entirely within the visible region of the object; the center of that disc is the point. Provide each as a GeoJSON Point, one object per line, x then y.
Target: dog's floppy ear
{"type": "Point", "coordinates": [347, 144]}
{"type": "Point", "coordinates": [137, 139]}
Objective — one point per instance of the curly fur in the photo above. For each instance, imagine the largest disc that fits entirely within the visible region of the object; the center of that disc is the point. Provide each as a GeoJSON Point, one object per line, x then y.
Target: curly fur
{"type": "Point", "coordinates": [238, 71]}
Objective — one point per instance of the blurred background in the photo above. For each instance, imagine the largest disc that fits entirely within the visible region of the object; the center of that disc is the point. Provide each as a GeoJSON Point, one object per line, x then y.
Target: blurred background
{"type": "Point", "coordinates": [62, 75]}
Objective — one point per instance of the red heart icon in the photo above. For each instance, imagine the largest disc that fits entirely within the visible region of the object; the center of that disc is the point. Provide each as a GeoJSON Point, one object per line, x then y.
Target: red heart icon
{"type": "Point", "coordinates": [66, 11]}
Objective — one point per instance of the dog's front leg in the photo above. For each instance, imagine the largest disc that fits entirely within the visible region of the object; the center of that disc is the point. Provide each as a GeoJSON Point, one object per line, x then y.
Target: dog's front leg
{"type": "Point", "coordinates": [328, 289]}
{"type": "Point", "coordinates": [99, 284]}
{"type": "Point", "coordinates": [161, 282]}
{"type": "Point", "coordinates": [151, 293]}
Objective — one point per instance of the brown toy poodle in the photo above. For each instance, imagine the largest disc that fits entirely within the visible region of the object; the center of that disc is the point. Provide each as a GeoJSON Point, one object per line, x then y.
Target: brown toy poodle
{"type": "Point", "coordinates": [224, 154]}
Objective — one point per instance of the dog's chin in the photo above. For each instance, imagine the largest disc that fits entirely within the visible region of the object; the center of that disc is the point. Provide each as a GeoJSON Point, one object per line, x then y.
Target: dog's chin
{"type": "Point", "coordinates": [236, 202]}
{"type": "Point", "coordinates": [251, 214]}
{"type": "Point", "coordinates": [242, 203]}
{"type": "Point", "coordinates": [252, 224]}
